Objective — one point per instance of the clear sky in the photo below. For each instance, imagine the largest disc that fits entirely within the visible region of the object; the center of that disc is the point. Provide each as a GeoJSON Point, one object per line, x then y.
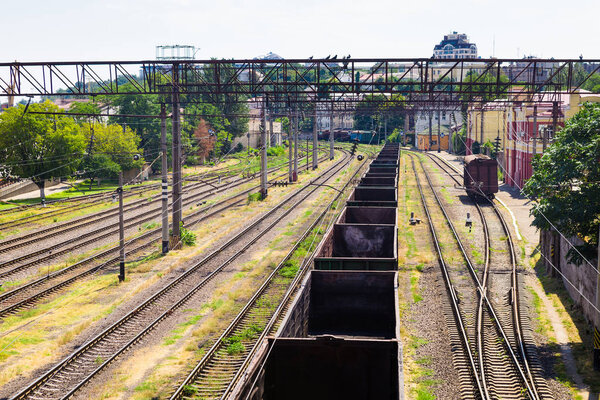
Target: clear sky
{"type": "Point", "coordinates": [36, 30]}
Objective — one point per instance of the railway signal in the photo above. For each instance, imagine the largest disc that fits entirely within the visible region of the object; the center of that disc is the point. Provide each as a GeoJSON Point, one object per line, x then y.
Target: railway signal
{"type": "Point", "coordinates": [121, 231]}
{"type": "Point", "coordinates": [354, 145]}
{"type": "Point", "coordinates": [164, 183]}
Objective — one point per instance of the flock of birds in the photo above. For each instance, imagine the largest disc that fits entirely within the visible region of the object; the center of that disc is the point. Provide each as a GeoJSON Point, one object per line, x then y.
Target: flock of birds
{"type": "Point", "coordinates": [333, 58]}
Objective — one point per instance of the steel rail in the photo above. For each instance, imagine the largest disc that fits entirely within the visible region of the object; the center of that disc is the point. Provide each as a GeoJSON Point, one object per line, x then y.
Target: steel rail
{"type": "Point", "coordinates": [207, 278]}
{"type": "Point", "coordinates": [479, 383]}
{"type": "Point", "coordinates": [91, 219]}
{"type": "Point", "coordinates": [279, 312]}
{"type": "Point", "coordinates": [147, 303]}
{"type": "Point", "coordinates": [146, 216]}
{"type": "Point", "coordinates": [69, 208]}
{"type": "Point", "coordinates": [524, 370]}
{"type": "Point", "coordinates": [206, 359]}
{"type": "Point", "coordinates": [7, 295]}
{"type": "Point", "coordinates": [516, 313]}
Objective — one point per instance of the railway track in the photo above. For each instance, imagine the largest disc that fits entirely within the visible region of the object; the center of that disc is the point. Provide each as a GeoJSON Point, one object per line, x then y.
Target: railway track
{"type": "Point", "coordinates": [77, 369]}
{"type": "Point", "coordinates": [218, 371]}
{"type": "Point", "coordinates": [31, 293]}
{"type": "Point", "coordinates": [95, 199]}
{"type": "Point", "coordinates": [8, 268]}
{"type": "Point", "coordinates": [503, 290]}
{"type": "Point", "coordinates": [502, 368]}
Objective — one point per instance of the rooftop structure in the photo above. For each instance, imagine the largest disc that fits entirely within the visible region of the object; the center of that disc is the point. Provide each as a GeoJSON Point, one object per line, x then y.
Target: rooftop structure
{"type": "Point", "coordinates": [269, 56]}
{"type": "Point", "coordinates": [175, 52]}
{"type": "Point", "coordinates": [455, 45]}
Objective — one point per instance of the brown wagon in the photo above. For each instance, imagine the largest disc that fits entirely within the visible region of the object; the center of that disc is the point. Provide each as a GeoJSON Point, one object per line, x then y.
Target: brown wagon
{"type": "Point", "coordinates": [481, 175]}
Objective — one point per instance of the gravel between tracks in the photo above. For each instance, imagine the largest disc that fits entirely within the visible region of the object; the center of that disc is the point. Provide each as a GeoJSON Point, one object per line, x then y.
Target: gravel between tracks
{"type": "Point", "coordinates": [124, 308]}
{"type": "Point", "coordinates": [426, 318]}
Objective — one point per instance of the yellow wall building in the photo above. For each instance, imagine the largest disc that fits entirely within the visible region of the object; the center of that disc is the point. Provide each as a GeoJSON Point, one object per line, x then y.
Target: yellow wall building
{"type": "Point", "coordinates": [423, 142]}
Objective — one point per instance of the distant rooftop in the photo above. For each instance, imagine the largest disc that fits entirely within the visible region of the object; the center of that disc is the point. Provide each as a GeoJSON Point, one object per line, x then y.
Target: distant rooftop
{"type": "Point", "coordinates": [269, 56]}
{"type": "Point", "coordinates": [455, 45]}
{"type": "Point", "coordinates": [175, 52]}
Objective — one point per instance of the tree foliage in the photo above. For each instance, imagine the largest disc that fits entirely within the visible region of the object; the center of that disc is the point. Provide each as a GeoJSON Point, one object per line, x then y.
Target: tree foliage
{"type": "Point", "coordinates": [147, 129]}
{"type": "Point", "coordinates": [120, 146]}
{"type": "Point", "coordinates": [566, 181]}
{"type": "Point", "coordinates": [373, 110]}
{"type": "Point", "coordinates": [39, 146]}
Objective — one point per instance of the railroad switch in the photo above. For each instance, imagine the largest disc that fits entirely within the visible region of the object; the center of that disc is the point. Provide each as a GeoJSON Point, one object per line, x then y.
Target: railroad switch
{"type": "Point", "coordinates": [279, 183]}
{"type": "Point", "coordinates": [413, 220]}
{"type": "Point", "coordinates": [469, 222]}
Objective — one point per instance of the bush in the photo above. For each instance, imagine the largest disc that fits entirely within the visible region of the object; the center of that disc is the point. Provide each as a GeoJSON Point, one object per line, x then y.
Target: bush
{"type": "Point", "coordinates": [276, 151]}
{"type": "Point", "coordinates": [188, 237]}
{"type": "Point", "coordinates": [458, 142]}
{"type": "Point", "coordinates": [254, 197]}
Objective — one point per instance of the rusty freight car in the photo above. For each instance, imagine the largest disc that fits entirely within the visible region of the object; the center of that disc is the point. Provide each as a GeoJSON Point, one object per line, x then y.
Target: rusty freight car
{"type": "Point", "coordinates": [480, 175]}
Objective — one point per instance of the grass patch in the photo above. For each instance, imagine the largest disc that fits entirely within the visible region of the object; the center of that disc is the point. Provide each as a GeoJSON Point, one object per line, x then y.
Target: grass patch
{"type": "Point", "coordinates": [253, 197]}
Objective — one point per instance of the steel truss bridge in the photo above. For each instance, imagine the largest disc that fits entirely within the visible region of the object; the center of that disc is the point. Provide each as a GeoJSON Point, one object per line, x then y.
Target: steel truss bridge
{"type": "Point", "coordinates": [419, 81]}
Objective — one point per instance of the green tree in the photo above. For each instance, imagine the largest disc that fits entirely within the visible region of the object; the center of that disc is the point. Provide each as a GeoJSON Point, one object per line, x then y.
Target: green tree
{"type": "Point", "coordinates": [566, 181]}
{"type": "Point", "coordinates": [203, 121]}
{"type": "Point", "coordinates": [39, 146]}
{"type": "Point", "coordinates": [99, 166]}
{"type": "Point", "coordinates": [231, 106]}
{"type": "Point", "coordinates": [84, 108]}
{"type": "Point", "coordinates": [147, 129]}
{"type": "Point", "coordinates": [372, 111]}
{"type": "Point", "coordinates": [592, 84]}
{"type": "Point", "coordinates": [109, 150]}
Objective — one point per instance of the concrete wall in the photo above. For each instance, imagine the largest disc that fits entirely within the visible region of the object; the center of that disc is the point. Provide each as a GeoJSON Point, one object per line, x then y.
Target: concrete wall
{"type": "Point", "coordinates": [25, 186]}
{"type": "Point", "coordinates": [583, 276]}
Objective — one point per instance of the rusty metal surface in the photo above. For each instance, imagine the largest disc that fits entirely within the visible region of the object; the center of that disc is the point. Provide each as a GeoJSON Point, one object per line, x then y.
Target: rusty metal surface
{"type": "Point", "coordinates": [345, 303]}
{"type": "Point", "coordinates": [481, 175]}
{"type": "Point", "coordinates": [332, 369]}
{"type": "Point", "coordinates": [368, 215]}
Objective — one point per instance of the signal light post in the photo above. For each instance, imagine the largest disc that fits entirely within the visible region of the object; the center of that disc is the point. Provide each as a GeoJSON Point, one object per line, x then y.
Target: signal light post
{"type": "Point", "coordinates": [295, 173]}
{"type": "Point", "coordinates": [315, 141]}
{"type": "Point", "coordinates": [121, 231]}
{"type": "Point", "coordinates": [290, 149]}
{"type": "Point", "coordinates": [263, 151]}
{"type": "Point", "coordinates": [331, 138]}
{"type": "Point", "coordinates": [177, 203]}
{"type": "Point", "coordinates": [164, 167]}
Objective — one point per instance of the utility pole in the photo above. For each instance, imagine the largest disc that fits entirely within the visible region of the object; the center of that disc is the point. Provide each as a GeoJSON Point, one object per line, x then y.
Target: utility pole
{"type": "Point", "coordinates": [439, 130]}
{"type": "Point", "coordinates": [331, 138]}
{"type": "Point", "coordinates": [315, 141]}
{"type": "Point", "coordinates": [307, 154]}
{"type": "Point", "coordinates": [177, 203]}
{"type": "Point", "coordinates": [290, 150]}
{"type": "Point", "coordinates": [406, 126]}
{"type": "Point", "coordinates": [272, 136]}
{"type": "Point", "coordinates": [430, 130]}
{"type": "Point", "coordinates": [296, 129]}
{"type": "Point", "coordinates": [534, 135]}
{"type": "Point", "coordinates": [385, 129]}
{"type": "Point", "coordinates": [554, 123]}
{"type": "Point", "coordinates": [121, 231]}
{"type": "Point", "coordinates": [481, 138]}
{"type": "Point", "coordinates": [164, 173]}
{"type": "Point", "coordinates": [468, 145]}
{"type": "Point", "coordinates": [263, 152]}
{"type": "Point", "coordinates": [596, 352]}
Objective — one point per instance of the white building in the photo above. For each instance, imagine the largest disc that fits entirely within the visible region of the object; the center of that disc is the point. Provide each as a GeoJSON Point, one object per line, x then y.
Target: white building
{"type": "Point", "coordinates": [446, 118]}
{"type": "Point", "coordinates": [455, 45]}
